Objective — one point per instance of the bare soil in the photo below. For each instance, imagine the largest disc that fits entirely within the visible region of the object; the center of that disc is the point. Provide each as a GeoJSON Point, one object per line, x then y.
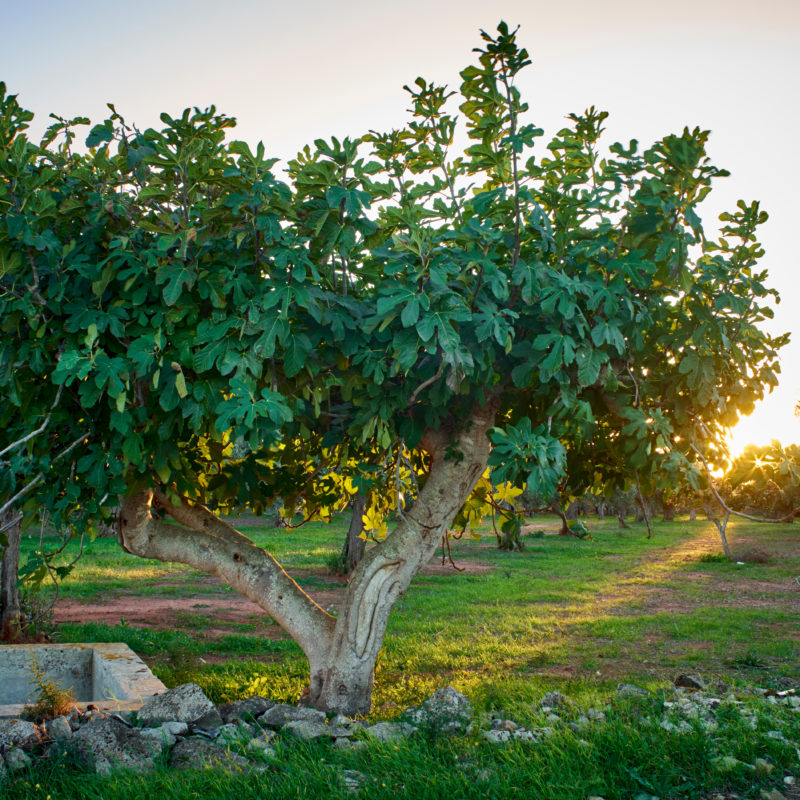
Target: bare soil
{"type": "Point", "coordinates": [218, 615]}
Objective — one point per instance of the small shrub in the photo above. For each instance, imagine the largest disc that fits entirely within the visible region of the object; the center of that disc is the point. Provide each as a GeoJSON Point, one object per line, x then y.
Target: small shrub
{"type": "Point", "coordinates": [712, 558]}
{"type": "Point", "coordinates": [52, 700]}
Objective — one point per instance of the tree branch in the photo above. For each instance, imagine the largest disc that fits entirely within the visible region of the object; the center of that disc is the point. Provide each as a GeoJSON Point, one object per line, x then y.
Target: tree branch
{"type": "Point", "coordinates": [38, 479]}
{"type": "Point", "coordinates": [786, 518]}
{"type": "Point", "coordinates": [219, 550]}
{"type": "Point", "coordinates": [40, 429]}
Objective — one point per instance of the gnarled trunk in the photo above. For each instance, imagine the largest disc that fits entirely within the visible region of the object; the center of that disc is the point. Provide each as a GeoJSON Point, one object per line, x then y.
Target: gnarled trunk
{"type": "Point", "coordinates": [341, 651]}
{"type": "Point", "coordinates": [354, 545]}
{"type": "Point", "coordinates": [10, 613]}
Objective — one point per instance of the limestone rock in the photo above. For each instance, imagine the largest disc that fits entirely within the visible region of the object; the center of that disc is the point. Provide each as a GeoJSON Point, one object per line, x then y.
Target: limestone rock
{"type": "Point", "coordinates": [349, 744]}
{"type": "Point", "coordinates": [446, 710]}
{"type": "Point", "coordinates": [59, 729]}
{"type": "Point", "coordinates": [631, 690]}
{"type": "Point", "coordinates": [260, 748]}
{"type": "Point", "coordinates": [353, 779]}
{"type": "Point", "coordinates": [247, 709]}
{"type": "Point", "coordinates": [497, 736]}
{"type": "Point", "coordinates": [690, 681]}
{"type": "Point", "coordinates": [308, 729]}
{"type": "Point", "coordinates": [209, 722]}
{"type": "Point", "coordinates": [160, 736]}
{"type": "Point", "coordinates": [184, 703]}
{"type": "Point", "coordinates": [234, 731]}
{"type": "Point", "coordinates": [595, 715]}
{"type": "Point", "coordinates": [391, 731]}
{"type": "Point", "coordinates": [763, 767]}
{"type": "Point", "coordinates": [280, 714]}
{"type": "Point", "coordinates": [556, 701]}
{"type": "Point", "coordinates": [109, 744]}
{"type": "Point", "coordinates": [17, 759]}
{"type": "Point", "coordinates": [175, 728]}
{"type": "Point", "coordinates": [195, 752]}
{"type": "Point", "coordinates": [18, 732]}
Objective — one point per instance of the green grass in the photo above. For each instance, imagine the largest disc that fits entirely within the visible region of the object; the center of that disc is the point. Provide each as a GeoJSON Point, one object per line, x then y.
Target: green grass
{"type": "Point", "coordinates": [575, 615]}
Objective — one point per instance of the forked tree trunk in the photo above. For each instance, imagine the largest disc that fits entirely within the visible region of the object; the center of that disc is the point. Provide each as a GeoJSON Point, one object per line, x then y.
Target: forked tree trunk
{"type": "Point", "coordinates": [341, 651]}
{"type": "Point", "coordinates": [354, 545]}
{"type": "Point", "coordinates": [10, 614]}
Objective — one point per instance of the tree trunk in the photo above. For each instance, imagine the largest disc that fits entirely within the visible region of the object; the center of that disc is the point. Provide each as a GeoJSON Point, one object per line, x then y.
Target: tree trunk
{"type": "Point", "coordinates": [354, 545]}
{"type": "Point", "coordinates": [10, 614]}
{"type": "Point", "coordinates": [341, 651]}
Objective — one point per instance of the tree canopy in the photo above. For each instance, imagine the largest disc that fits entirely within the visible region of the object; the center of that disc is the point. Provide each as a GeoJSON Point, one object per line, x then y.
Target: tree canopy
{"type": "Point", "coordinates": [180, 319]}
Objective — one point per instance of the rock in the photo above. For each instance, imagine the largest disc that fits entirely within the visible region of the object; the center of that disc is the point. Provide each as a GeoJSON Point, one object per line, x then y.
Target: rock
{"type": "Point", "coordinates": [446, 710]}
{"type": "Point", "coordinates": [308, 729]}
{"type": "Point", "coordinates": [108, 744]}
{"type": "Point", "coordinates": [18, 732]}
{"type": "Point", "coordinates": [349, 744]}
{"type": "Point", "coordinates": [777, 736]}
{"type": "Point", "coordinates": [391, 731]}
{"type": "Point", "coordinates": [353, 780]}
{"type": "Point", "coordinates": [631, 690]}
{"type": "Point", "coordinates": [261, 748]}
{"type": "Point", "coordinates": [497, 736]}
{"type": "Point", "coordinates": [246, 710]}
{"type": "Point", "coordinates": [595, 715]}
{"type": "Point", "coordinates": [280, 714]}
{"type": "Point", "coordinates": [580, 725]}
{"type": "Point", "coordinates": [17, 759]}
{"type": "Point", "coordinates": [524, 735]}
{"type": "Point", "coordinates": [161, 736]}
{"type": "Point", "coordinates": [184, 703]}
{"type": "Point", "coordinates": [727, 763]}
{"type": "Point", "coordinates": [236, 731]}
{"type": "Point", "coordinates": [772, 794]}
{"type": "Point", "coordinates": [790, 780]}
{"type": "Point", "coordinates": [690, 681]}
{"type": "Point", "coordinates": [209, 722]}
{"type": "Point", "coordinates": [556, 701]}
{"type": "Point", "coordinates": [504, 725]}
{"type": "Point", "coordinates": [763, 767]}
{"type": "Point", "coordinates": [59, 729]}
{"type": "Point", "coordinates": [793, 701]}
{"type": "Point", "coordinates": [175, 728]}
{"type": "Point", "coordinates": [195, 752]}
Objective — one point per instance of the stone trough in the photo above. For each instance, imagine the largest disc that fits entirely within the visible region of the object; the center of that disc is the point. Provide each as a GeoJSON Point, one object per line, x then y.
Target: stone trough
{"type": "Point", "coordinates": [108, 676]}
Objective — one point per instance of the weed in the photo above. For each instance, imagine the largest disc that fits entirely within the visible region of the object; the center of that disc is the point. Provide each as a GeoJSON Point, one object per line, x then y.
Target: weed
{"type": "Point", "coordinates": [52, 700]}
{"type": "Point", "coordinates": [713, 558]}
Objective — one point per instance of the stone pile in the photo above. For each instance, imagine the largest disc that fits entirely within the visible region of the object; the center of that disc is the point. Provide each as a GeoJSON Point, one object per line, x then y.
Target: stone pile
{"type": "Point", "coordinates": [183, 728]}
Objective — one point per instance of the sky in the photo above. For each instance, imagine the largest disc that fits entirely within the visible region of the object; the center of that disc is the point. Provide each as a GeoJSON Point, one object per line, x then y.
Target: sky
{"type": "Point", "coordinates": [294, 72]}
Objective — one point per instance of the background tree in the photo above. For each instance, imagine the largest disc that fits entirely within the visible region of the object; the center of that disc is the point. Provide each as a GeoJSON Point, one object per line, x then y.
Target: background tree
{"type": "Point", "coordinates": [201, 336]}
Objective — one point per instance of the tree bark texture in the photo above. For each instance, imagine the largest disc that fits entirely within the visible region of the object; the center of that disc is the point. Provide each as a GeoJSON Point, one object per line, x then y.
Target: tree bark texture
{"type": "Point", "coordinates": [10, 613]}
{"type": "Point", "coordinates": [341, 651]}
{"type": "Point", "coordinates": [354, 546]}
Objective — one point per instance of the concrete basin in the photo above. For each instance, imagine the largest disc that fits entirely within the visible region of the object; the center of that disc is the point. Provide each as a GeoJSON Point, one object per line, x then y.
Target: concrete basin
{"type": "Point", "coordinates": [108, 676]}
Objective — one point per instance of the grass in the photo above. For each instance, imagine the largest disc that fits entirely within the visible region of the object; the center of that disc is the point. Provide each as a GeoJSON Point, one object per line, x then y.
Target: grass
{"type": "Point", "coordinates": [575, 615]}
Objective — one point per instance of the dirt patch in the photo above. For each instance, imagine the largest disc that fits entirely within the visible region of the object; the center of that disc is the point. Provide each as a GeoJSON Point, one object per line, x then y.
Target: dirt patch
{"type": "Point", "coordinates": [212, 610]}
{"type": "Point", "coordinates": [462, 568]}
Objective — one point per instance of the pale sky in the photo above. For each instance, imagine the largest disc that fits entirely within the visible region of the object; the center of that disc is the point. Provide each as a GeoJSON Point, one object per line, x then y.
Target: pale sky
{"type": "Point", "coordinates": [293, 72]}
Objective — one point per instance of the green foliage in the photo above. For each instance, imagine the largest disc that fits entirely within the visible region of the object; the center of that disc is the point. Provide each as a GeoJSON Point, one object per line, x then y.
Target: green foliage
{"type": "Point", "coordinates": [52, 700]}
{"type": "Point", "coordinates": [173, 312]}
{"type": "Point", "coordinates": [765, 479]}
